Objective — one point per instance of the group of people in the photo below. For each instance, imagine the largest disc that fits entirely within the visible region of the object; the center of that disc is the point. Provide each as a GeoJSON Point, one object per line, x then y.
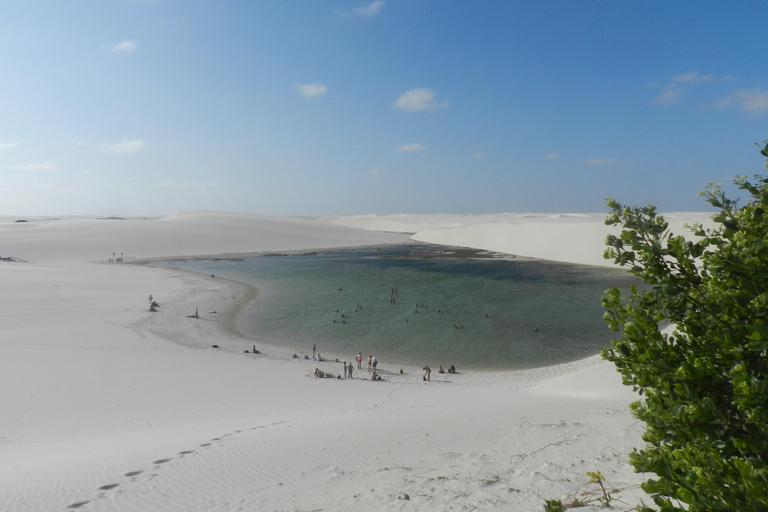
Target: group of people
{"type": "Point", "coordinates": [349, 368]}
{"type": "Point", "coordinates": [116, 259]}
{"type": "Point", "coordinates": [428, 371]}
{"type": "Point", "coordinates": [372, 364]}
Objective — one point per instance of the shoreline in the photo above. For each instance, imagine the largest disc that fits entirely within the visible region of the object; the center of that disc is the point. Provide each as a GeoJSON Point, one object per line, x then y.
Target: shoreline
{"type": "Point", "coordinates": [240, 256]}
{"type": "Point", "coordinates": [244, 293]}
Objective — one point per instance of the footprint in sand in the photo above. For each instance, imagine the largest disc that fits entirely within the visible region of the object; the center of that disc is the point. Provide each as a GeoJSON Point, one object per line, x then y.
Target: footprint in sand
{"type": "Point", "coordinates": [161, 461]}
{"type": "Point", "coordinates": [78, 504]}
{"type": "Point", "coordinates": [133, 473]}
{"type": "Point", "coordinates": [186, 452]}
{"type": "Point", "coordinates": [206, 444]}
{"type": "Point", "coordinates": [108, 487]}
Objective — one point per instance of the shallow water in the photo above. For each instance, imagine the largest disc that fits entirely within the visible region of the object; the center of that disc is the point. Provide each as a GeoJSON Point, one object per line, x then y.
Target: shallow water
{"type": "Point", "coordinates": [468, 312]}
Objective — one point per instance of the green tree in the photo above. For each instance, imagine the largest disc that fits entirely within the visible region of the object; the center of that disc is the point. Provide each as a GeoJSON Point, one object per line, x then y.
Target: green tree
{"type": "Point", "coordinates": [693, 343]}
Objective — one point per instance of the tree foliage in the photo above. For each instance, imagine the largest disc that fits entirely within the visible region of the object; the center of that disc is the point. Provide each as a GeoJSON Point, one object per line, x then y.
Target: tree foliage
{"type": "Point", "coordinates": [694, 343]}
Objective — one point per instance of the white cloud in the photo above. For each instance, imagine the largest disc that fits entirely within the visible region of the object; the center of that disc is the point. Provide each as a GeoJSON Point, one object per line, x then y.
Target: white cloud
{"type": "Point", "coordinates": [37, 167]}
{"type": "Point", "coordinates": [414, 100]}
{"type": "Point", "coordinates": [753, 101]}
{"type": "Point", "coordinates": [692, 77]}
{"type": "Point", "coordinates": [311, 90]}
{"type": "Point", "coordinates": [124, 146]}
{"type": "Point", "coordinates": [552, 156]}
{"type": "Point", "coordinates": [669, 95]}
{"type": "Point", "coordinates": [599, 161]}
{"type": "Point", "coordinates": [369, 10]}
{"type": "Point", "coordinates": [124, 46]}
{"type": "Point", "coordinates": [479, 155]}
{"type": "Point", "coordinates": [8, 145]}
{"type": "Point", "coordinates": [673, 90]}
{"type": "Point", "coordinates": [412, 147]}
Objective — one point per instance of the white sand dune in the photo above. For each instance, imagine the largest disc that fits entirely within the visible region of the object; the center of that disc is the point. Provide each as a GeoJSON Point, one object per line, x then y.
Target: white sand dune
{"type": "Point", "coordinates": [109, 407]}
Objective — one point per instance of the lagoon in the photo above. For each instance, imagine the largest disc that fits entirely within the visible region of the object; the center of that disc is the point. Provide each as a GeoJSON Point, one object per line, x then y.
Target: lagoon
{"type": "Point", "coordinates": [425, 304]}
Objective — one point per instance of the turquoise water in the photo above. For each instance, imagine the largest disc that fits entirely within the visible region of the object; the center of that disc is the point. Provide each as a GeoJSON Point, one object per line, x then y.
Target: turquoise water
{"type": "Point", "coordinates": [471, 313]}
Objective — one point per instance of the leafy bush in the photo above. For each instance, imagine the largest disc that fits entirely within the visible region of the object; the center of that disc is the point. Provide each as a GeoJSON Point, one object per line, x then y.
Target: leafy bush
{"type": "Point", "coordinates": [553, 506]}
{"type": "Point", "coordinates": [703, 383]}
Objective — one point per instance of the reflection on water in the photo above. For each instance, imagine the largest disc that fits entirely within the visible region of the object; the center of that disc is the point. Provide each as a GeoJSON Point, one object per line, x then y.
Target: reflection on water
{"type": "Point", "coordinates": [423, 305]}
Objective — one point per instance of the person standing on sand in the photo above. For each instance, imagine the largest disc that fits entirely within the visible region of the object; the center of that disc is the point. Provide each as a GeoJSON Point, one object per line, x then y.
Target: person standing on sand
{"type": "Point", "coordinates": [369, 362]}
{"type": "Point", "coordinates": [314, 347]}
{"type": "Point", "coordinates": [427, 373]}
{"type": "Point", "coordinates": [345, 369]}
{"type": "Point", "coordinates": [350, 368]}
{"type": "Point", "coordinates": [374, 362]}
{"type": "Point", "coordinates": [359, 360]}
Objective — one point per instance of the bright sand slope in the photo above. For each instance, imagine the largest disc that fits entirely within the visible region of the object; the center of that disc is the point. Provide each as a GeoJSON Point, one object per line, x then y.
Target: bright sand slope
{"type": "Point", "coordinates": [109, 407]}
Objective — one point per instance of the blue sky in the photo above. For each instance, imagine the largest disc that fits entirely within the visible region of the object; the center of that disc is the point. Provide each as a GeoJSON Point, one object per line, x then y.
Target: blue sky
{"type": "Point", "coordinates": [140, 107]}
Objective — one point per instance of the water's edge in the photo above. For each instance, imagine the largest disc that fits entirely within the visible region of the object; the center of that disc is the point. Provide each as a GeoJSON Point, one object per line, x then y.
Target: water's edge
{"type": "Point", "coordinates": [329, 343]}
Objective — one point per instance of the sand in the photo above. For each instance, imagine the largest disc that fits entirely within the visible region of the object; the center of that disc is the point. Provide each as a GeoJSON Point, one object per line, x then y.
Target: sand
{"type": "Point", "coordinates": [107, 406]}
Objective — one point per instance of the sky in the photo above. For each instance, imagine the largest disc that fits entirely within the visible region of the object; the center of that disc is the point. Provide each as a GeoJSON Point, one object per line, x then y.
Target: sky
{"type": "Point", "coordinates": [300, 107]}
